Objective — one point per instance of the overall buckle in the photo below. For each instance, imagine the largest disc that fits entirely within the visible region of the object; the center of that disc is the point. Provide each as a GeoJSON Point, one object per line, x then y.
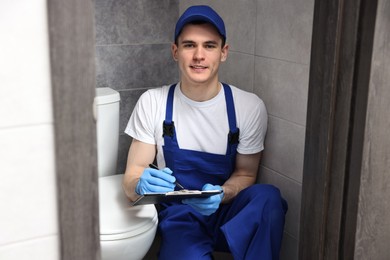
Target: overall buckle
{"type": "Point", "coordinates": [168, 129]}
{"type": "Point", "coordinates": [234, 137]}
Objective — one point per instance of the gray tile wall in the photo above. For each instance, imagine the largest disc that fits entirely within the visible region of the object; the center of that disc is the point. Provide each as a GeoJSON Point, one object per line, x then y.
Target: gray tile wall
{"type": "Point", "coordinates": [283, 41]}
{"type": "Point", "coordinates": [133, 41]}
{"type": "Point", "coordinates": [270, 44]}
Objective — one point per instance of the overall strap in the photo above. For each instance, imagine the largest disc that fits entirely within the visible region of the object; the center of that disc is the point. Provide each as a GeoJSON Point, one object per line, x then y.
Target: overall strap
{"type": "Point", "coordinates": [168, 124]}
{"type": "Point", "coordinates": [234, 132]}
{"type": "Point", "coordinates": [169, 135]}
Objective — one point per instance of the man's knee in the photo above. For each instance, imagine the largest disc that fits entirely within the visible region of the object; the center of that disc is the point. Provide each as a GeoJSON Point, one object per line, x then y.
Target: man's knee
{"type": "Point", "coordinates": [267, 191]}
{"type": "Point", "coordinates": [269, 198]}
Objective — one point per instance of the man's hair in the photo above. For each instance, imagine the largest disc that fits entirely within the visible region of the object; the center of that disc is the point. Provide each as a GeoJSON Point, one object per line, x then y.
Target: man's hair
{"type": "Point", "coordinates": [199, 23]}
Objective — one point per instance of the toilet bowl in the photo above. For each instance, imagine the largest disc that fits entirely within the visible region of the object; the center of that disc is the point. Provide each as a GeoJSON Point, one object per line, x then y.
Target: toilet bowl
{"type": "Point", "coordinates": [126, 232]}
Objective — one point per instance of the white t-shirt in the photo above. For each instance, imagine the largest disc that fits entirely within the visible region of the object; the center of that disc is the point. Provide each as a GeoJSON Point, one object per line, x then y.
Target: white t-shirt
{"type": "Point", "coordinates": [200, 126]}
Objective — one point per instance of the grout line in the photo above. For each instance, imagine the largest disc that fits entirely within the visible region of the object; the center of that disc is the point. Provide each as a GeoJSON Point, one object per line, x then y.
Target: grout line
{"type": "Point", "coordinates": [25, 125]}
{"type": "Point", "coordinates": [278, 59]}
{"type": "Point", "coordinates": [254, 87]}
{"type": "Point", "coordinates": [130, 44]}
{"type": "Point", "coordinates": [135, 89]}
{"type": "Point", "coordinates": [268, 58]}
{"type": "Point", "coordinates": [291, 235]}
{"type": "Point", "coordinates": [292, 122]}
{"type": "Point", "coordinates": [26, 240]}
{"type": "Point", "coordinates": [282, 175]}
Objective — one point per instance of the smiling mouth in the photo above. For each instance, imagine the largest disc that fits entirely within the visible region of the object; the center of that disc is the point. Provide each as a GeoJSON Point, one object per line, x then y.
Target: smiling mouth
{"type": "Point", "coordinates": [198, 67]}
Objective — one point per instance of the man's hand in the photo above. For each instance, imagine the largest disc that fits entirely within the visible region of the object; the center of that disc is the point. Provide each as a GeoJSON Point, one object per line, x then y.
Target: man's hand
{"type": "Point", "coordinates": [206, 206]}
{"type": "Point", "coordinates": [153, 180]}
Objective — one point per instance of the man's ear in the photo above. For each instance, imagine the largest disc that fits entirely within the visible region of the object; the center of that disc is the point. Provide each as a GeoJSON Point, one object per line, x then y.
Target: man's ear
{"type": "Point", "coordinates": [174, 51]}
{"type": "Point", "coordinates": [225, 52]}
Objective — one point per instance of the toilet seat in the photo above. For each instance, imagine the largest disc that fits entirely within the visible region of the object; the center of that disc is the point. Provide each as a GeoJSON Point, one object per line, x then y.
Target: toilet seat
{"type": "Point", "coordinates": [118, 219]}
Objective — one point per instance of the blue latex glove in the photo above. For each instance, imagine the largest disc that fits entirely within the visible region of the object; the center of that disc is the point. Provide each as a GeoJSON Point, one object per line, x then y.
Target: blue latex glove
{"type": "Point", "coordinates": [153, 180]}
{"type": "Point", "coordinates": [206, 206]}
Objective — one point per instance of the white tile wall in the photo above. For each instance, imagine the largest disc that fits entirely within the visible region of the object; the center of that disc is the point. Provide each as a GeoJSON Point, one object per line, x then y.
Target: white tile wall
{"type": "Point", "coordinates": [34, 249]}
{"type": "Point", "coordinates": [28, 219]}
{"type": "Point", "coordinates": [27, 188]}
{"type": "Point", "coordinates": [25, 97]}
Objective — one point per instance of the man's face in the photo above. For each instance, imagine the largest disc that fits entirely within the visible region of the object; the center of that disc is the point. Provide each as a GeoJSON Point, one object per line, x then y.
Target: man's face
{"type": "Point", "coordinates": [199, 53]}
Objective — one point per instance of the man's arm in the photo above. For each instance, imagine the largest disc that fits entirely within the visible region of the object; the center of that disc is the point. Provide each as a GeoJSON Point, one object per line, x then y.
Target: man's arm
{"type": "Point", "coordinates": [244, 175]}
{"type": "Point", "coordinates": [140, 156]}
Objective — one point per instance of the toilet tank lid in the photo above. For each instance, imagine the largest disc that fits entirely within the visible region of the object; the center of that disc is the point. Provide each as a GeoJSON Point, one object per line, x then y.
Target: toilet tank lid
{"type": "Point", "coordinates": [106, 96]}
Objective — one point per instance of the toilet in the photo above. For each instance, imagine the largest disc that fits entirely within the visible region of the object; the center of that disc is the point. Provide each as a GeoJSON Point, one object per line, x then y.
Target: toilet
{"type": "Point", "coordinates": [126, 232]}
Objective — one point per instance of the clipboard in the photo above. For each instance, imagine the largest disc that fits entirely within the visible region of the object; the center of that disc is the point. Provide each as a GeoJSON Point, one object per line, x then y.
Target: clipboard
{"type": "Point", "coordinates": [156, 198]}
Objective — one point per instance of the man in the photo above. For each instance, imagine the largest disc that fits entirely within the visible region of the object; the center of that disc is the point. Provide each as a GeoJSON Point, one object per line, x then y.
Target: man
{"type": "Point", "coordinates": [205, 135]}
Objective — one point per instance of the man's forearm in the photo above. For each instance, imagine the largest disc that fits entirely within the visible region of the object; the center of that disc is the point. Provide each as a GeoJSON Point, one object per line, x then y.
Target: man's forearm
{"type": "Point", "coordinates": [234, 185]}
{"type": "Point", "coordinates": [139, 156]}
{"type": "Point", "coordinates": [129, 183]}
{"type": "Point", "coordinates": [244, 175]}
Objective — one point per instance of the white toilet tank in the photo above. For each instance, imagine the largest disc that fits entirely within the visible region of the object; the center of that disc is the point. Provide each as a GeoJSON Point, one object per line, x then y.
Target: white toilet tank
{"type": "Point", "coordinates": [107, 117]}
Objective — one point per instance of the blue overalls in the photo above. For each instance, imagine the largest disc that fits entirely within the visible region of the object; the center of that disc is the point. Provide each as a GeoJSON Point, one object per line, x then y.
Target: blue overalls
{"type": "Point", "coordinates": [251, 227]}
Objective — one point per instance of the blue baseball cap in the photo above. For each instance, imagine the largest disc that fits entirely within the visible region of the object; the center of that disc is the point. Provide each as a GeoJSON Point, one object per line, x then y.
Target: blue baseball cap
{"type": "Point", "coordinates": [200, 13]}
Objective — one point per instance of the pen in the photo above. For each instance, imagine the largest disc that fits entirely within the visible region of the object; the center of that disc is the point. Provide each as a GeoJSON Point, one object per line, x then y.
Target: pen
{"type": "Point", "coordinates": [151, 165]}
